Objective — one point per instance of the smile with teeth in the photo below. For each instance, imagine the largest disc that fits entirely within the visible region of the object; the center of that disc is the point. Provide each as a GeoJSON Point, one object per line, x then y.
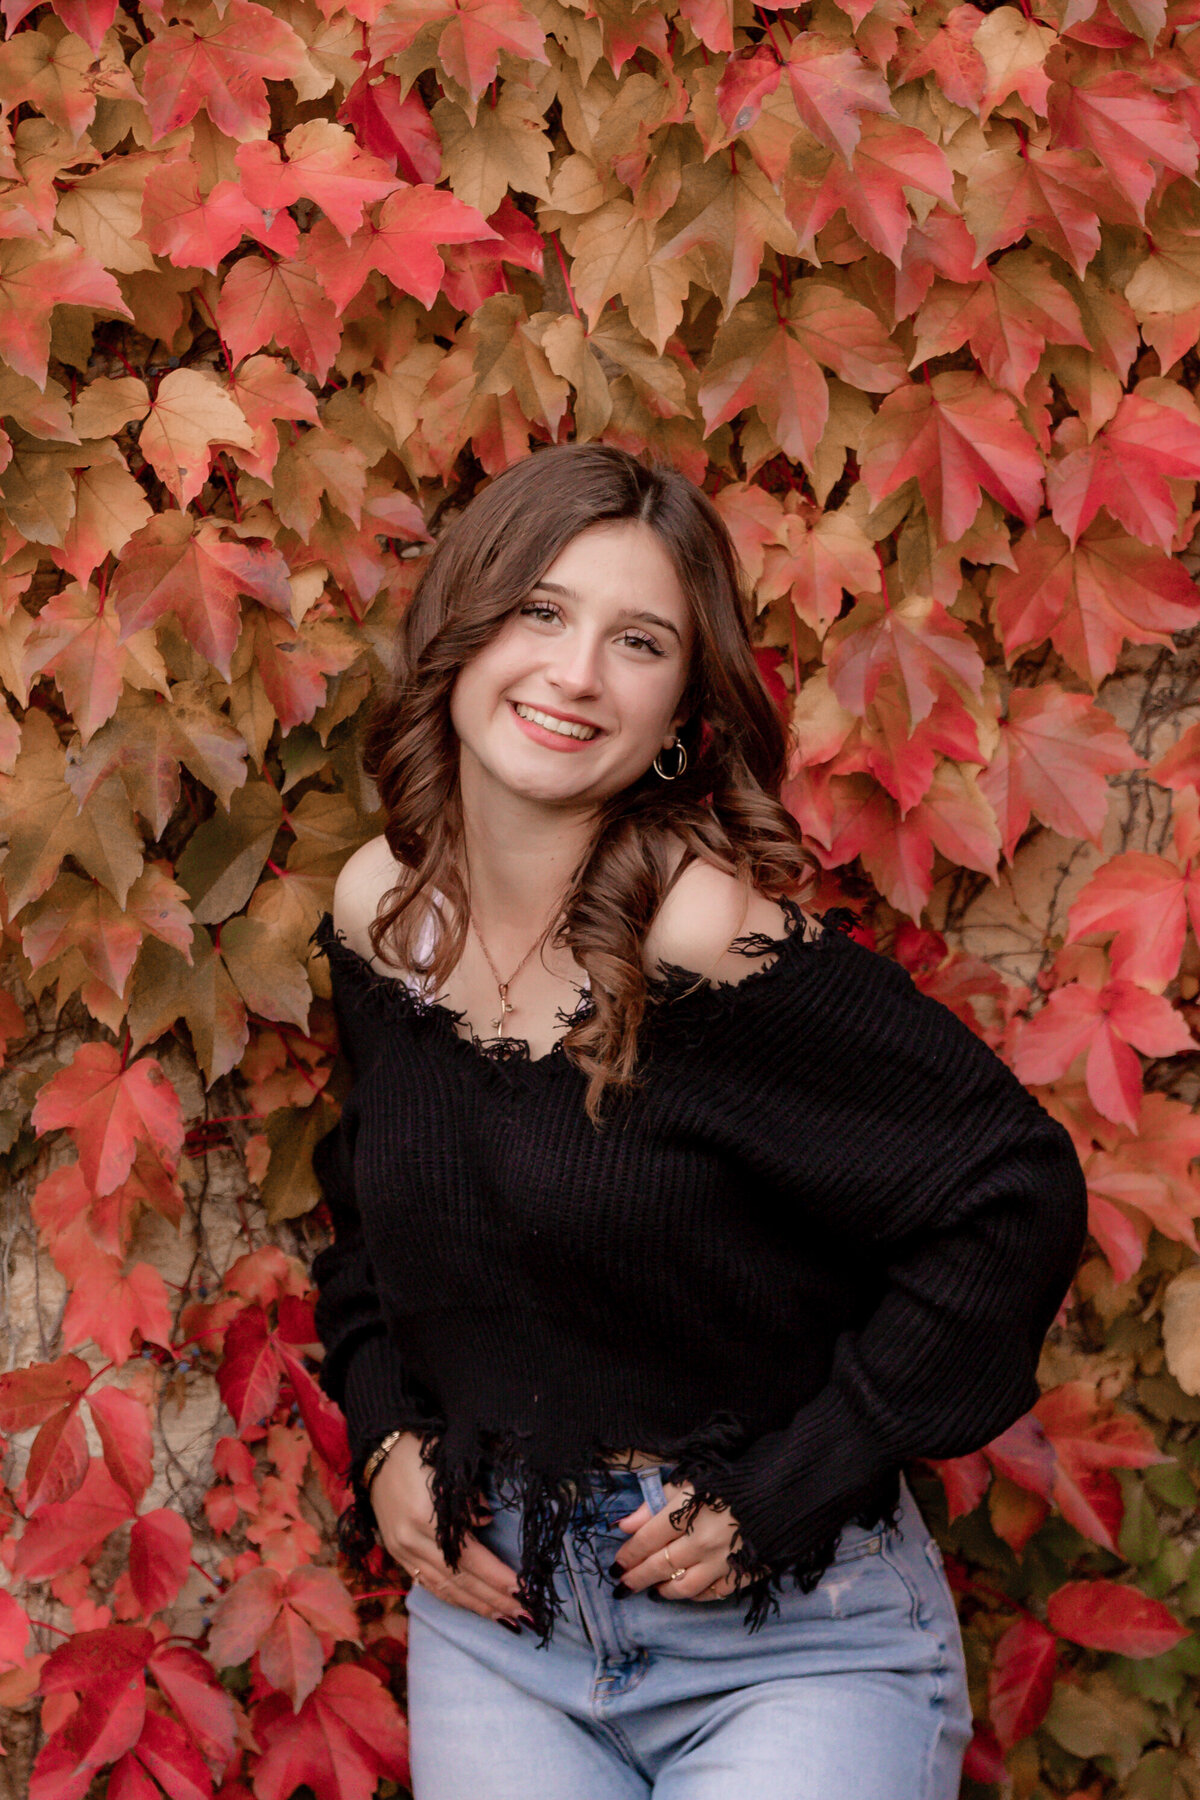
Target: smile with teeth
{"type": "Point", "coordinates": [564, 727]}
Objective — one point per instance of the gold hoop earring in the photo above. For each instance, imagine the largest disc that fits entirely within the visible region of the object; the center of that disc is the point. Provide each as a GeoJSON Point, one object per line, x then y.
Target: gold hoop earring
{"type": "Point", "coordinates": [680, 766]}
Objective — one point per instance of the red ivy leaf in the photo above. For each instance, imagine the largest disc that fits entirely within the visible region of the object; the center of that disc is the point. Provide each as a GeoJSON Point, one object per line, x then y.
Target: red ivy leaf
{"type": "Point", "coordinates": [1021, 1680]}
{"type": "Point", "coordinates": [1108, 1615]}
{"type": "Point", "coordinates": [31, 1396]}
{"type": "Point", "coordinates": [14, 1633]}
{"type": "Point", "coordinates": [123, 1425]}
{"type": "Point", "coordinates": [1088, 600]}
{"type": "Point", "coordinates": [68, 1532]}
{"type": "Point", "coordinates": [160, 1554]}
{"type": "Point", "coordinates": [397, 129]}
{"type": "Point", "coordinates": [251, 1371]}
{"type": "Point", "coordinates": [349, 1733]}
{"type": "Point", "coordinates": [197, 1696]}
{"type": "Point", "coordinates": [58, 1461]}
{"type": "Point", "coordinates": [165, 1749]}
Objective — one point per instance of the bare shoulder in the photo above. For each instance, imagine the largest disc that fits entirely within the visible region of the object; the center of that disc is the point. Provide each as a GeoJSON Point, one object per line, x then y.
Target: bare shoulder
{"type": "Point", "coordinates": [702, 915]}
{"type": "Point", "coordinates": [365, 878]}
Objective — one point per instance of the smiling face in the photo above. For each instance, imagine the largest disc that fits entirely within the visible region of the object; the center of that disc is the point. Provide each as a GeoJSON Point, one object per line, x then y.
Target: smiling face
{"type": "Point", "coordinates": [581, 687]}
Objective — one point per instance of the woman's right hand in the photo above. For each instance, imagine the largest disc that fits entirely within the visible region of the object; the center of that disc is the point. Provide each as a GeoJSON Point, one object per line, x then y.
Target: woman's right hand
{"type": "Point", "coordinates": [402, 1500]}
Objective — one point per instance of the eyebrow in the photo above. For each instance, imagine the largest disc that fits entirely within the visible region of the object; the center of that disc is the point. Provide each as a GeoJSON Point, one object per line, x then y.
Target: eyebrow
{"type": "Point", "coordinates": [648, 618]}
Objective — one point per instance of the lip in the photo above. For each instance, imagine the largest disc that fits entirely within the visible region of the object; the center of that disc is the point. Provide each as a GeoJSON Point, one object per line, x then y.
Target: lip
{"type": "Point", "coordinates": [552, 740]}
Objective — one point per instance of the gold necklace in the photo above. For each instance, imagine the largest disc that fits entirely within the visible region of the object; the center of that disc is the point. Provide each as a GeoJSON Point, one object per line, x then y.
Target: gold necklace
{"type": "Point", "coordinates": [502, 987]}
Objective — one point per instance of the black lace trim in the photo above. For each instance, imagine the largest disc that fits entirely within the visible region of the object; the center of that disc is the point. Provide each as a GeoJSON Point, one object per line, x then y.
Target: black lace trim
{"type": "Point", "coordinates": [671, 987]}
{"type": "Point", "coordinates": [390, 993]}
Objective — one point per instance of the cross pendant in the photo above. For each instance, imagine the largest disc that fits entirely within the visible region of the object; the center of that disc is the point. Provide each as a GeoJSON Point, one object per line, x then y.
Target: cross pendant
{"type": "Point", "coordinates": [505, 1007]}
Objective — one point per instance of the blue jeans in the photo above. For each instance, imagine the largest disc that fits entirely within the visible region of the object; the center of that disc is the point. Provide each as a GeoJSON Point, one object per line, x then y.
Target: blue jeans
{"type": "Point", "coordinates": [856, 1691]}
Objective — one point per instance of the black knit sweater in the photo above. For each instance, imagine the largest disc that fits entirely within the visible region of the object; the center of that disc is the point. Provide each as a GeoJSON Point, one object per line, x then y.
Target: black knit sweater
{"type": "Point", "coordinates": [826, 1234]}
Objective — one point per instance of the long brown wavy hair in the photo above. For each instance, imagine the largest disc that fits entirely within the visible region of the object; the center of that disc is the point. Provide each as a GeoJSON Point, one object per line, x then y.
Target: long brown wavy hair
{"type": "Point", "coordinates": [724, 808]}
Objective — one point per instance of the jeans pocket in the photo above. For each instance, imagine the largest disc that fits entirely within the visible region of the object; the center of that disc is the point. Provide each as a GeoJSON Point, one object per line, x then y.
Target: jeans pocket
{"type": "Point", "coordinates": [856, 1541]}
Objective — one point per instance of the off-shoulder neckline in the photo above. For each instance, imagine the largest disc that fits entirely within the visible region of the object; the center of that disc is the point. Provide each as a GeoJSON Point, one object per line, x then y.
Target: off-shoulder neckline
{"type": "Point", "coordinates": [675, 987]}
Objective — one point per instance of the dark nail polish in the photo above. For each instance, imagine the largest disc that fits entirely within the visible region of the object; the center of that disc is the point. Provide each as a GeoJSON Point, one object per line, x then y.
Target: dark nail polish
{"type": "Point", "coordinates": [621, 1592]}
{"type": "Point", "coordinates": [526, 1620]}
{"type": "Point", "coordinates": [510, 1625]}
{"type": "Point", "coordinates": [653, 1594]}
{"type": "Point", "coordinates": [615, 1570]}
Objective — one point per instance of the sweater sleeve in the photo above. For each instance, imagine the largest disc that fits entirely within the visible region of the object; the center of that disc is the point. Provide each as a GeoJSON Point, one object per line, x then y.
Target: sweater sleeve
{"type": "Point", "coordinates": [362, 1371]}
{"type": "Point", "coordinates": [936, 1170]}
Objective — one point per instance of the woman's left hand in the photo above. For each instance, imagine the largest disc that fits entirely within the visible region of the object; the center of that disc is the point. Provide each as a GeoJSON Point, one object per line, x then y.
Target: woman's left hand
{"type": "Point", "coordinates": [703, 1551]}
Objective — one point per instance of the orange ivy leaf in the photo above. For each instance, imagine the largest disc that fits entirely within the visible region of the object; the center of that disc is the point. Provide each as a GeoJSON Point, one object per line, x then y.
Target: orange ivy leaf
{"type": "Point", "coordinates": [184, 565]}
{"type": "Point", "coordinates": [114, 1307]}
{"type": "Point", "coordinates": [191, 413]}
{"type": "Point", "coordinates": [33, 281]}
{"type": "Point", "coordinates": [76, 639]}
{"type": "Point", "coordinates": [949, 53]}
{"type": "Point", "coordinates": [1125, 469]}
{"type": "Point", "coordinates": [915, 643]}
{"type": "Point", "coordinates": [1147, 901]}
{"type": "Point", "coordinates": [955, 435]}
{"type": "Point", "coordinates": [889, 157]}
{"type": "Point", "coordinates": [263, 301]}
{"type": "Point", "coordinates": [1090, 599]}
{"type": "Point", "coordinates": [1013, 312]}
{"type": "Point", "coordinates": [399, 244]}
{"type": "Point", "coordinates": [1133, 132]}
{"type": "Point", "coordinates": [1054, 753]}
{"type": "Point", "coordinates": [195, 230]}
{"type": "Point", "coordinates": [324, 164]}
{"type": "Point", "coordinates": [832, 89]}
{"type": "Point", "coordinates": [221, 61]}
{"type": "Point", "coordinates": [816, 558]}
{"type": "Point", "coordinates": [1104, 1024]}
{"type": "Point", "coordinates": [1054, 196]}
{"type": "Point", "coordinates": [473, 35]}
{"type": "Point", "coordinates": [770, 357]}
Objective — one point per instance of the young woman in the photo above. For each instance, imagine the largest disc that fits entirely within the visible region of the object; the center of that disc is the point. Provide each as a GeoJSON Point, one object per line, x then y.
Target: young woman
{"type": "Point", "coordinates": [670, 1221]}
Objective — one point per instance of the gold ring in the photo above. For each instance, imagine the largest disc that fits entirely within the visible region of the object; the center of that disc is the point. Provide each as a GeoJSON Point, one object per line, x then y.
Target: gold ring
{"type": "Point", "coordinates": [667, 1554]}
{"type": "Point", "coordinates": [677, 1574]}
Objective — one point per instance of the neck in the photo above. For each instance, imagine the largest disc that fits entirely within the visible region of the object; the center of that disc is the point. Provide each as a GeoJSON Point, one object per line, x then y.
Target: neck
{"type": "Point", "coordinates": [521, 854]}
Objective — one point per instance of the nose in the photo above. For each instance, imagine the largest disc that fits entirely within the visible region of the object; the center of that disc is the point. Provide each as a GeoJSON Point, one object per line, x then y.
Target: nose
{"type": "Point", "coordinates": [575, 667]}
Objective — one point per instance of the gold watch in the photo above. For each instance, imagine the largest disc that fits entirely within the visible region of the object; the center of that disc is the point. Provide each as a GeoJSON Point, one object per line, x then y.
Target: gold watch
{"type": "Point", "coordinates": [377, 1459]}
